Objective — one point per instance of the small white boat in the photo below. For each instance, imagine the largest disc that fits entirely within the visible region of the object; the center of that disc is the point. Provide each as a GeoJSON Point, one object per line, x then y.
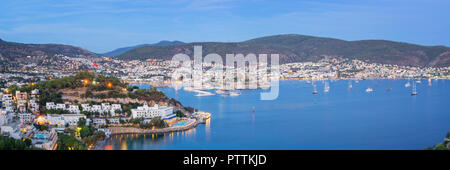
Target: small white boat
{"type": "Point", "coordinates": [368, 90]}
{"type": "Point", "coordinates": [418, 81]}
{"type": "Point", "coordinates": [407, 84]}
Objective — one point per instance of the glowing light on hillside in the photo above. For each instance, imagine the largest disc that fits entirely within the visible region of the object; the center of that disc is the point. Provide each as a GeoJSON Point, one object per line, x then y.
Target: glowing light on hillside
{"type": "Point", "coordinates": [94, 82]}
{"type": "Point", "coordinates": [41, 120]}
{"type": "Point", "coordinates": [109, 85]}
{"type": "Point", "coordinates": [6, 91]}
{"type": "Point", "coordinates": [86, 82]}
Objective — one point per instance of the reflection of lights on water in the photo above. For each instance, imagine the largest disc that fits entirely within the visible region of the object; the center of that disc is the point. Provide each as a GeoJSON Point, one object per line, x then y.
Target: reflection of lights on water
{"type": "Point", "coordinates": [124, 145]}
{"type": "Point", "coordinates": [208, 128]}
{"type": "Point", "coordinates": [208, 125]}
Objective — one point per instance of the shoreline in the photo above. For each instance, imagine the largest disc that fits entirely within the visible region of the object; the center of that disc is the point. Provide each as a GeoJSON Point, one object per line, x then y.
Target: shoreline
{"type": "Point", "coordinates": [100, 145]}
{"type": "Point", "coordinates": [134, 130]}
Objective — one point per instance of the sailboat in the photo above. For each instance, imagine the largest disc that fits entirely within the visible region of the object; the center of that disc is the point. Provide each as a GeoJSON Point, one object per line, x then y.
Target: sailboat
{"type": "Point", "coordinates": [315, 89]}
{"type": "Point", "coordinates": [414, 90]}
{"type": "Point", "coordinates": [368, 90]}
{"type": "Point", "coordinates": [327, 87]}
{"type": "Point", "coordinates": [350, 86]}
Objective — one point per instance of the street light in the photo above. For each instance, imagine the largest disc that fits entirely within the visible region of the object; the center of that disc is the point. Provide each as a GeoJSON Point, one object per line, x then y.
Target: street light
{"type": "Point", "coordinates": [109, 85]}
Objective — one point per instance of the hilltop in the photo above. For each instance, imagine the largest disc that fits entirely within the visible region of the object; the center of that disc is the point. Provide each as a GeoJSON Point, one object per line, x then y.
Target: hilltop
{"type": "Point", "coordinates": [119, 51]}
{"type": "Point", "coordinates": [301, 48]}
{"type": "Point", "coordinates": [18, 52]}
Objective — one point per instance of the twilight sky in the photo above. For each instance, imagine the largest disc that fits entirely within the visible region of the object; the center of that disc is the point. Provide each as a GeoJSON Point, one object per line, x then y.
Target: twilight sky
{"type": "Point", "coordinates": [104, 25]}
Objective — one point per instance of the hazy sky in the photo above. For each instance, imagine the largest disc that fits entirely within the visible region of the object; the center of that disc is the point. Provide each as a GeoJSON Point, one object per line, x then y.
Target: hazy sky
{"type": "Point", "coordinates": [104, 25]}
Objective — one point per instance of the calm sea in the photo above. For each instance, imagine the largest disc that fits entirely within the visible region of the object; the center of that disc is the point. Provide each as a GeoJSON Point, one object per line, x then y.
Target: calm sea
{"type": "Point", "coordinates": [339, 119]}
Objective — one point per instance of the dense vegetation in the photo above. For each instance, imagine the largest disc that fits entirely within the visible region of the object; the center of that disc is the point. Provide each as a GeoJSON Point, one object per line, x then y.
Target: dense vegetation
{"type": "Point", "coordinates": [7, 143]}
{"type": "Point", "coordinates": [69, 142]}
{"type": "Point", "coordinates": [299, 48]}
{"type": "Point", "coordinates": [154, 122]}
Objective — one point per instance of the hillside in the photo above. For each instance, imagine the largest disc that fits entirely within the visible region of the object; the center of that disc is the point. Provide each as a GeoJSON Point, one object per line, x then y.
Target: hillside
{"type": "Point", "coordinates": [299, 48]}
{"type": "Point", "coordinates": [14, 51]}
{"type": "Point", "coordinates": [119, 51]}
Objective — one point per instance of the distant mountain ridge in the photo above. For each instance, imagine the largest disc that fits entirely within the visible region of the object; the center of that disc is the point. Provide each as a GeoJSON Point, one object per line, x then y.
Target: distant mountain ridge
{"type": "Point", "coordinates": [119, 51]}
{"type": "Point", "coordinates": [301, 48]}
{"type": "Point", "coordinates": [13, 51]}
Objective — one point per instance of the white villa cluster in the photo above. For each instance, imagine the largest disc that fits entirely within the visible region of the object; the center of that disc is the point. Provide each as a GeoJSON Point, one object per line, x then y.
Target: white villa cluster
{"type": "Point", "coordinates": [102, 109]}
{"type": "Point", "coordinates": [62, 106]}
{"type": "Point", "coordinates": [165, 112]}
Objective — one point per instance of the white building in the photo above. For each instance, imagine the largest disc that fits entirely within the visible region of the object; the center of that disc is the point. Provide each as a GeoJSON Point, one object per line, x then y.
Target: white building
{"type": "Point", "coordinates": [74, 109]}
{"type": "Point", "coordinates": [34, 94]}
{"type": "Point", "coordinates": [63, 119]}
{"type": "Point", "coordinates": [33, 106]}
{"type": "Point", "coordinates": [25, 117]}
{"type": "Point", "coordinates": [3, 118]}
{"type": "Point", "coordinates": [7, 103]}
{"type": "Point", "coordinates": [50, 105]}
{"type": "Point", "coordinates": [97, 108]}
{"type": "Point", "coordinates": [61, 106]}
{"type": "Point", "coordinates": [115, 107]}
{"type": "Point", "coordinates": [21, 106]}
{"type": "Point", "coordinates": [147, 112]}
{"type": "Point", "coordinates": [86, 107]}
{"type": "Point", "coordinates": [106, 106]}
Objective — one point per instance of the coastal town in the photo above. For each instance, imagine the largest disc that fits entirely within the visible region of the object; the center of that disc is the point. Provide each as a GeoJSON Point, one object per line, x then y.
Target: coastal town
{"type": "Point", "coordinates": [72, 103]}
{"type": "Point", "coordinates": [51, 120]}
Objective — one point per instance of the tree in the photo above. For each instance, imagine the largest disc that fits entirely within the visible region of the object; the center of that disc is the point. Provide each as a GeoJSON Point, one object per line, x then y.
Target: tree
{"type": "Point", "coordinates": [117, 112]}
{"type": "Point", "coordinates": [85, 132]}
{"type": "Point", "coordinates": [81, 122]}
{"type": "Point", "coordinates": [179, 113]}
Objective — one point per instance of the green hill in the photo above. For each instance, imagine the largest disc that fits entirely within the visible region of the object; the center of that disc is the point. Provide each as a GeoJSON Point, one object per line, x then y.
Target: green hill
{"type": "Point", "coordinates": [13, 51]}
{"type": "Point", "coordinates": [300, 48]}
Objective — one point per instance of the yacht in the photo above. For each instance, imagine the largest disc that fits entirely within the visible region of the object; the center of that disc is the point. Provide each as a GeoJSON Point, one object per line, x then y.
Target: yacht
{"type": "Point", "coordinates": [368, 90]}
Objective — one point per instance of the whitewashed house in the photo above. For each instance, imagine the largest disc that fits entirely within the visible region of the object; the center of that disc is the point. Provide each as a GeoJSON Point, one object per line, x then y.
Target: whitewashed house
{"type": "Point", "coordinates": [74, 109]}
{"type": "Point", "coordinates": [63, 119]}
{"type": "Point", "coordinates": [50, 105]}
{"type": "Point", "coordinates": [165, 112]}
{"type": "Point", "coordinates": [115, 107]}
{"type": "Point", "coordinates": [61, 106]}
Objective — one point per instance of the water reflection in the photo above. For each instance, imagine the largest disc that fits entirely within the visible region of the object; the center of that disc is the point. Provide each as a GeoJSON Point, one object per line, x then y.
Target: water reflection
{"type": "Point", "coordinates": [208, 129]}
